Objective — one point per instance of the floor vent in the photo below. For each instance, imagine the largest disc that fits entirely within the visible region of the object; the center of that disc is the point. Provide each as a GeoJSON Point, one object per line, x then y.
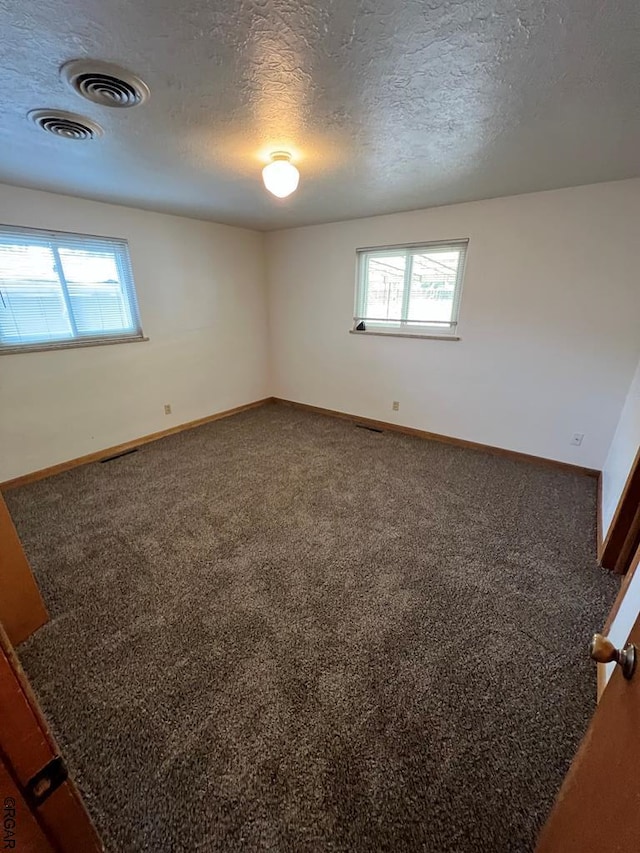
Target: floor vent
{"type": "Point", "coordinates": [119, 455]}
{"type": "Point", "coordinates": [370, 428]}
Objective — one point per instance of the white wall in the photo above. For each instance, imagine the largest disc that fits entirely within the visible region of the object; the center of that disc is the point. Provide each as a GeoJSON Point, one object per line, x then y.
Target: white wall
{"type": "Point", "coordinates": [548, 325]}
{"type": "Point", "coordinates": [549, 322]}
{"type": "Point", "coordinates": [625, 619]}
{"type": "Point", "coordinates": [201, 292]}
{"type": "Point", "coordinates": [617, 466]}
{"type": "Point", "coordinates": [621, 453]}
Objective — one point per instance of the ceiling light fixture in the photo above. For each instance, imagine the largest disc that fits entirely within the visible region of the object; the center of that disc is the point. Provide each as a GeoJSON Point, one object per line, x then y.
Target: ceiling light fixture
{"type": "Point", "coordinates": [280, 176]}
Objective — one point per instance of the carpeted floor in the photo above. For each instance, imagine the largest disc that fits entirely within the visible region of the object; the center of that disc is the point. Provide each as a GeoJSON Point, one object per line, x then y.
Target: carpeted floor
{"type": "Point", "coordinates": [281, 632]}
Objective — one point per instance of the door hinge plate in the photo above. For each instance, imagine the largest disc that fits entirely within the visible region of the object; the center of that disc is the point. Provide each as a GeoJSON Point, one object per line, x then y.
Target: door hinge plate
{"type": "Point", "coordinates": [40, 787]}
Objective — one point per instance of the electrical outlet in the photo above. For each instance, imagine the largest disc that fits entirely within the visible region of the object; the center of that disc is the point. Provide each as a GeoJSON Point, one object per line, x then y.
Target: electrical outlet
{"type": "Point", "coordinates": [167, 408]}
{"type": "Point", "coordinates": [395, 405]}
{"type": "Point", "coordinates": [576, 438]}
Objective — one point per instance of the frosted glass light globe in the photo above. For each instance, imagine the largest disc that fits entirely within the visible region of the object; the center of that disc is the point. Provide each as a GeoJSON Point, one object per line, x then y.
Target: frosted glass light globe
{"type": "Point", "coordinates": [281, 176]}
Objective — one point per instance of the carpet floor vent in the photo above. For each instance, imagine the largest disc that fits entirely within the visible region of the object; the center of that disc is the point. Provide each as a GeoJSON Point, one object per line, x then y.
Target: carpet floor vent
{"type": "Point", "coordinates": [119, 455]}
{"type": "Point", "coordinates": [370, 428]}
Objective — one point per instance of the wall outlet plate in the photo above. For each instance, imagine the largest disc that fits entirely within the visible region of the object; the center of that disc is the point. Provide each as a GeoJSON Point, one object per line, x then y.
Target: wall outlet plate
{"type": "Point", "coordinates": [576, 438]}
{"type": "Point", "coordinates": [395, 405]}
{"type": "Point", "coordinates": [167, 408]}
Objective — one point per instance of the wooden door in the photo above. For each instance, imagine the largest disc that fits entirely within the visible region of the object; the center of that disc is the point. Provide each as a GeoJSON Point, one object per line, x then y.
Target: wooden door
{"type": "Point", "coordinates": [22, 610]}
{"type": "Point", "coordinates": [623, 537]}
{"type": "Point", "coordinates": [50, 814]}
{"type": "Point", "coordinates": [20, 830]}
{"type": "Point", "coordinates": [598, 807]}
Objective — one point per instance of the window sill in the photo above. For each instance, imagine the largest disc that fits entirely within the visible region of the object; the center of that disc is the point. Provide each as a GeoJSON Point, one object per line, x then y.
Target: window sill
{"type": "Point", "coordinates": [76, 344]}
{"type": "Point", "coordinates": [406, 335]}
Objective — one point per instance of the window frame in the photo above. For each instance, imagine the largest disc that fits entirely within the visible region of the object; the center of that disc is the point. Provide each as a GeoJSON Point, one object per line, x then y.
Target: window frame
{"type": "Point", "coordinates": [57, 240]}
{"type": "Point", "coordinates": [405, 327]}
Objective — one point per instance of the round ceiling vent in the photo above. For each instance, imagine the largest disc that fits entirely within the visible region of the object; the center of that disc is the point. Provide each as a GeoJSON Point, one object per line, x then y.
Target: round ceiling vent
{"type": "Point", "coordinates": [66, 125]}
{"type": "Point", "coordinates": [104, 83]}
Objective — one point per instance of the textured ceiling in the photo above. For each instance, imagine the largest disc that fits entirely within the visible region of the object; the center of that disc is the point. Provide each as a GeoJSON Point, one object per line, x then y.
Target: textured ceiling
{"type": "Point", "coordinates": [386, 104]}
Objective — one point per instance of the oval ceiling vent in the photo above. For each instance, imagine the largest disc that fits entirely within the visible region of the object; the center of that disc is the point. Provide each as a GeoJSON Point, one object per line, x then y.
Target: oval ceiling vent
{"type": "Point", "coordinates": [66, 125]}
{"type": "Point", "coordinates": [104, 83]}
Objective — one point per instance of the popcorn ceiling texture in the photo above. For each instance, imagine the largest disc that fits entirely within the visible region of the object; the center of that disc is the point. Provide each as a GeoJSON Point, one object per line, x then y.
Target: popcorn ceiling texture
{"type": "Point", "coordinates": [281, 632]}
{"type": "Point", "coordinates": [386, 105]}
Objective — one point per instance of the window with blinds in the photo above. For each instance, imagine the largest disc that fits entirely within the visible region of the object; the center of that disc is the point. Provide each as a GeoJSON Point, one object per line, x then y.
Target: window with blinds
{"type": "Point", "coordinates": [411, 290]}
{"type": "Point", "coordinates": [59, 290]}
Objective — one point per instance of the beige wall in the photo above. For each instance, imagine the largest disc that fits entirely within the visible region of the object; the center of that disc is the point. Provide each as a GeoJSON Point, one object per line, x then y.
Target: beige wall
{"type": "Point", "coordinates": [202, 303]}
{"type": "Point", "coordinates": [549, 322]}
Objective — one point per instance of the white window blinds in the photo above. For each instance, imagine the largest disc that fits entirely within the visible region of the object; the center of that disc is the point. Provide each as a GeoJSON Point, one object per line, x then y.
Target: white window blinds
{"type": "Point", "coordinates": [410, 289]}
{"type": "Point", "coordinates": [59, 289]}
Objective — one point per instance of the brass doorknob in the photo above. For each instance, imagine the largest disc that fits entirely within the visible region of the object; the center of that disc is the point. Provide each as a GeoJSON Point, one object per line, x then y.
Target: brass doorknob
{"type": "Point", "coordinates": [603, 650]}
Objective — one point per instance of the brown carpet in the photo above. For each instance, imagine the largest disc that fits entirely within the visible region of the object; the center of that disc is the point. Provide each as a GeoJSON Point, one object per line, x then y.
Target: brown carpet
{"type": "Point", "coordinates": [281, 632]}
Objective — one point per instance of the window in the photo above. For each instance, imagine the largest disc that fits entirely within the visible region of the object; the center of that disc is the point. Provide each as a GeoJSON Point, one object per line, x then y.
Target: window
{"type": "Point", "coordinates": [410, 290]}
{"type": "Point", "coordinates": [60, 290]}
